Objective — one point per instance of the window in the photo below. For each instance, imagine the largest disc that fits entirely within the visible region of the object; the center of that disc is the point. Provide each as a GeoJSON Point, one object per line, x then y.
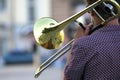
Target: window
{"type": "Point", "coordinates": [31, 14]}
{"type": "Point", "coordinates": [75, 3]}
{"type": "Point", "coordinates": [2, 46]}
{"type": "Point", "coordinates": [2, 5]}
{"type": "Point", "coordinates": [31, 11]}
{"type": "Point", "coordinates": [2, 27]}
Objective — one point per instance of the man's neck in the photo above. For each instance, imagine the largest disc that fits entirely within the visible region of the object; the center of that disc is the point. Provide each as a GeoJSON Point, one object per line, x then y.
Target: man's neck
{"type": "Point", "coordinates": [113, 22]}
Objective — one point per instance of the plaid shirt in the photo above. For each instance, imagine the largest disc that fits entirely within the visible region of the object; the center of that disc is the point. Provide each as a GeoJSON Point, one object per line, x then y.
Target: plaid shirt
{"type": "Point", "coordinates": [97, 56]}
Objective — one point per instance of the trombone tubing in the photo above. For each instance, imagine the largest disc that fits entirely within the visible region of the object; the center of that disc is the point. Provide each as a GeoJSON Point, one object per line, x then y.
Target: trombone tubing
{"type": "Point", "coordinates": [53, 58]}
{"type": "Point", "coordinates": [63, 23]}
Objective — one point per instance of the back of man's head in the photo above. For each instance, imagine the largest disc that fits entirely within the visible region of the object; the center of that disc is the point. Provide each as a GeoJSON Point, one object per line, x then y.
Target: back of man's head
{"type": "Point", "coordinates": [102, 9]}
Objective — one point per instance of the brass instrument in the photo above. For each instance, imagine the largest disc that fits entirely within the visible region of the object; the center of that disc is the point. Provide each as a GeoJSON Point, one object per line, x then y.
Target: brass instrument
{"type": "Point", "coordinates": [48, 33]}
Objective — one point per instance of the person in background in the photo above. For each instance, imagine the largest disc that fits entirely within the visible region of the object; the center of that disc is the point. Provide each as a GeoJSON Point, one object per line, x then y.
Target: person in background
{"type": "Point", "coordinates": [95, 56]}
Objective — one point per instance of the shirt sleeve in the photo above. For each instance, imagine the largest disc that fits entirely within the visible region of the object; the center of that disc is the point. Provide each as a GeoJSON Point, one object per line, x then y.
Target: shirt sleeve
{"type": "Point", "coordinates": [80, 56]}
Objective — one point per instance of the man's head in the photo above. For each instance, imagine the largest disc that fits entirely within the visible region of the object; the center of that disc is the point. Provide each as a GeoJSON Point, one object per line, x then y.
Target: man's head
{"type": "Point", "coordinates": [95, 19]}
{"type": "Point", "coordinates": [100, 9]}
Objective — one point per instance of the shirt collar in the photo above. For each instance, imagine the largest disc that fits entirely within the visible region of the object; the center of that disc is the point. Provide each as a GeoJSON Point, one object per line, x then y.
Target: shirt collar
{"type": "Point", "coordinates": [109, 28]}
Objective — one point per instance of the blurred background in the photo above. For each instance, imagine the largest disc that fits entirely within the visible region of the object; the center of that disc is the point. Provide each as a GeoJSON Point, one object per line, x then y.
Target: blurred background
{"type": "Point", "coordinates": [20, 56]}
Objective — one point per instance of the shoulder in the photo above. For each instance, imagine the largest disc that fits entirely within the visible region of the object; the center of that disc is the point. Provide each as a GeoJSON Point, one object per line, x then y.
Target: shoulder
{"type": "Point", "coordinates": [87, 41]}
{"type": "Point", "coordinates": [83, 49]}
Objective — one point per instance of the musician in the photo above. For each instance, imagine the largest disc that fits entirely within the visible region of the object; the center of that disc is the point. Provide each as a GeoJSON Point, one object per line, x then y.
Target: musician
{"type": "Point", "coordinates": [95, 56]}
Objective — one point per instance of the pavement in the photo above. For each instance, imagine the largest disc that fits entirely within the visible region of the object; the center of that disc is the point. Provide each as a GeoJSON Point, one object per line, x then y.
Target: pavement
{"type": "Point", "coordinates": [26, 72]}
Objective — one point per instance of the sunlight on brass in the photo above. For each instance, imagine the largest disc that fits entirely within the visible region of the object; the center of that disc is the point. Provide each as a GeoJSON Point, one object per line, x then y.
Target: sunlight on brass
{"type": "Point", "coordinates": [37, 72]}
{"type": "Point", "coordinates": [48, 33]}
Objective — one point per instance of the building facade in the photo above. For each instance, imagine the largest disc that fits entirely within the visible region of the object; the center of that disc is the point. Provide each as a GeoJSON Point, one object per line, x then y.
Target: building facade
{"type": "Point", "coordinates": [16, 15]}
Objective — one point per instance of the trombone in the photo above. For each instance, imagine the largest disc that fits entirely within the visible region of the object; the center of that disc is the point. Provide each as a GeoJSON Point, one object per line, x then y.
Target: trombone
{"type": "Point", "coordinates": [48, 33]}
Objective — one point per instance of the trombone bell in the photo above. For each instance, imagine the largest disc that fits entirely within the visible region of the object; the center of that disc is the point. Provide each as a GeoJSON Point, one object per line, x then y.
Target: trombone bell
{"type": "Point", "coordinates": [46, 35]}
{"type": "Point", "coordinates": [49, 34]}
